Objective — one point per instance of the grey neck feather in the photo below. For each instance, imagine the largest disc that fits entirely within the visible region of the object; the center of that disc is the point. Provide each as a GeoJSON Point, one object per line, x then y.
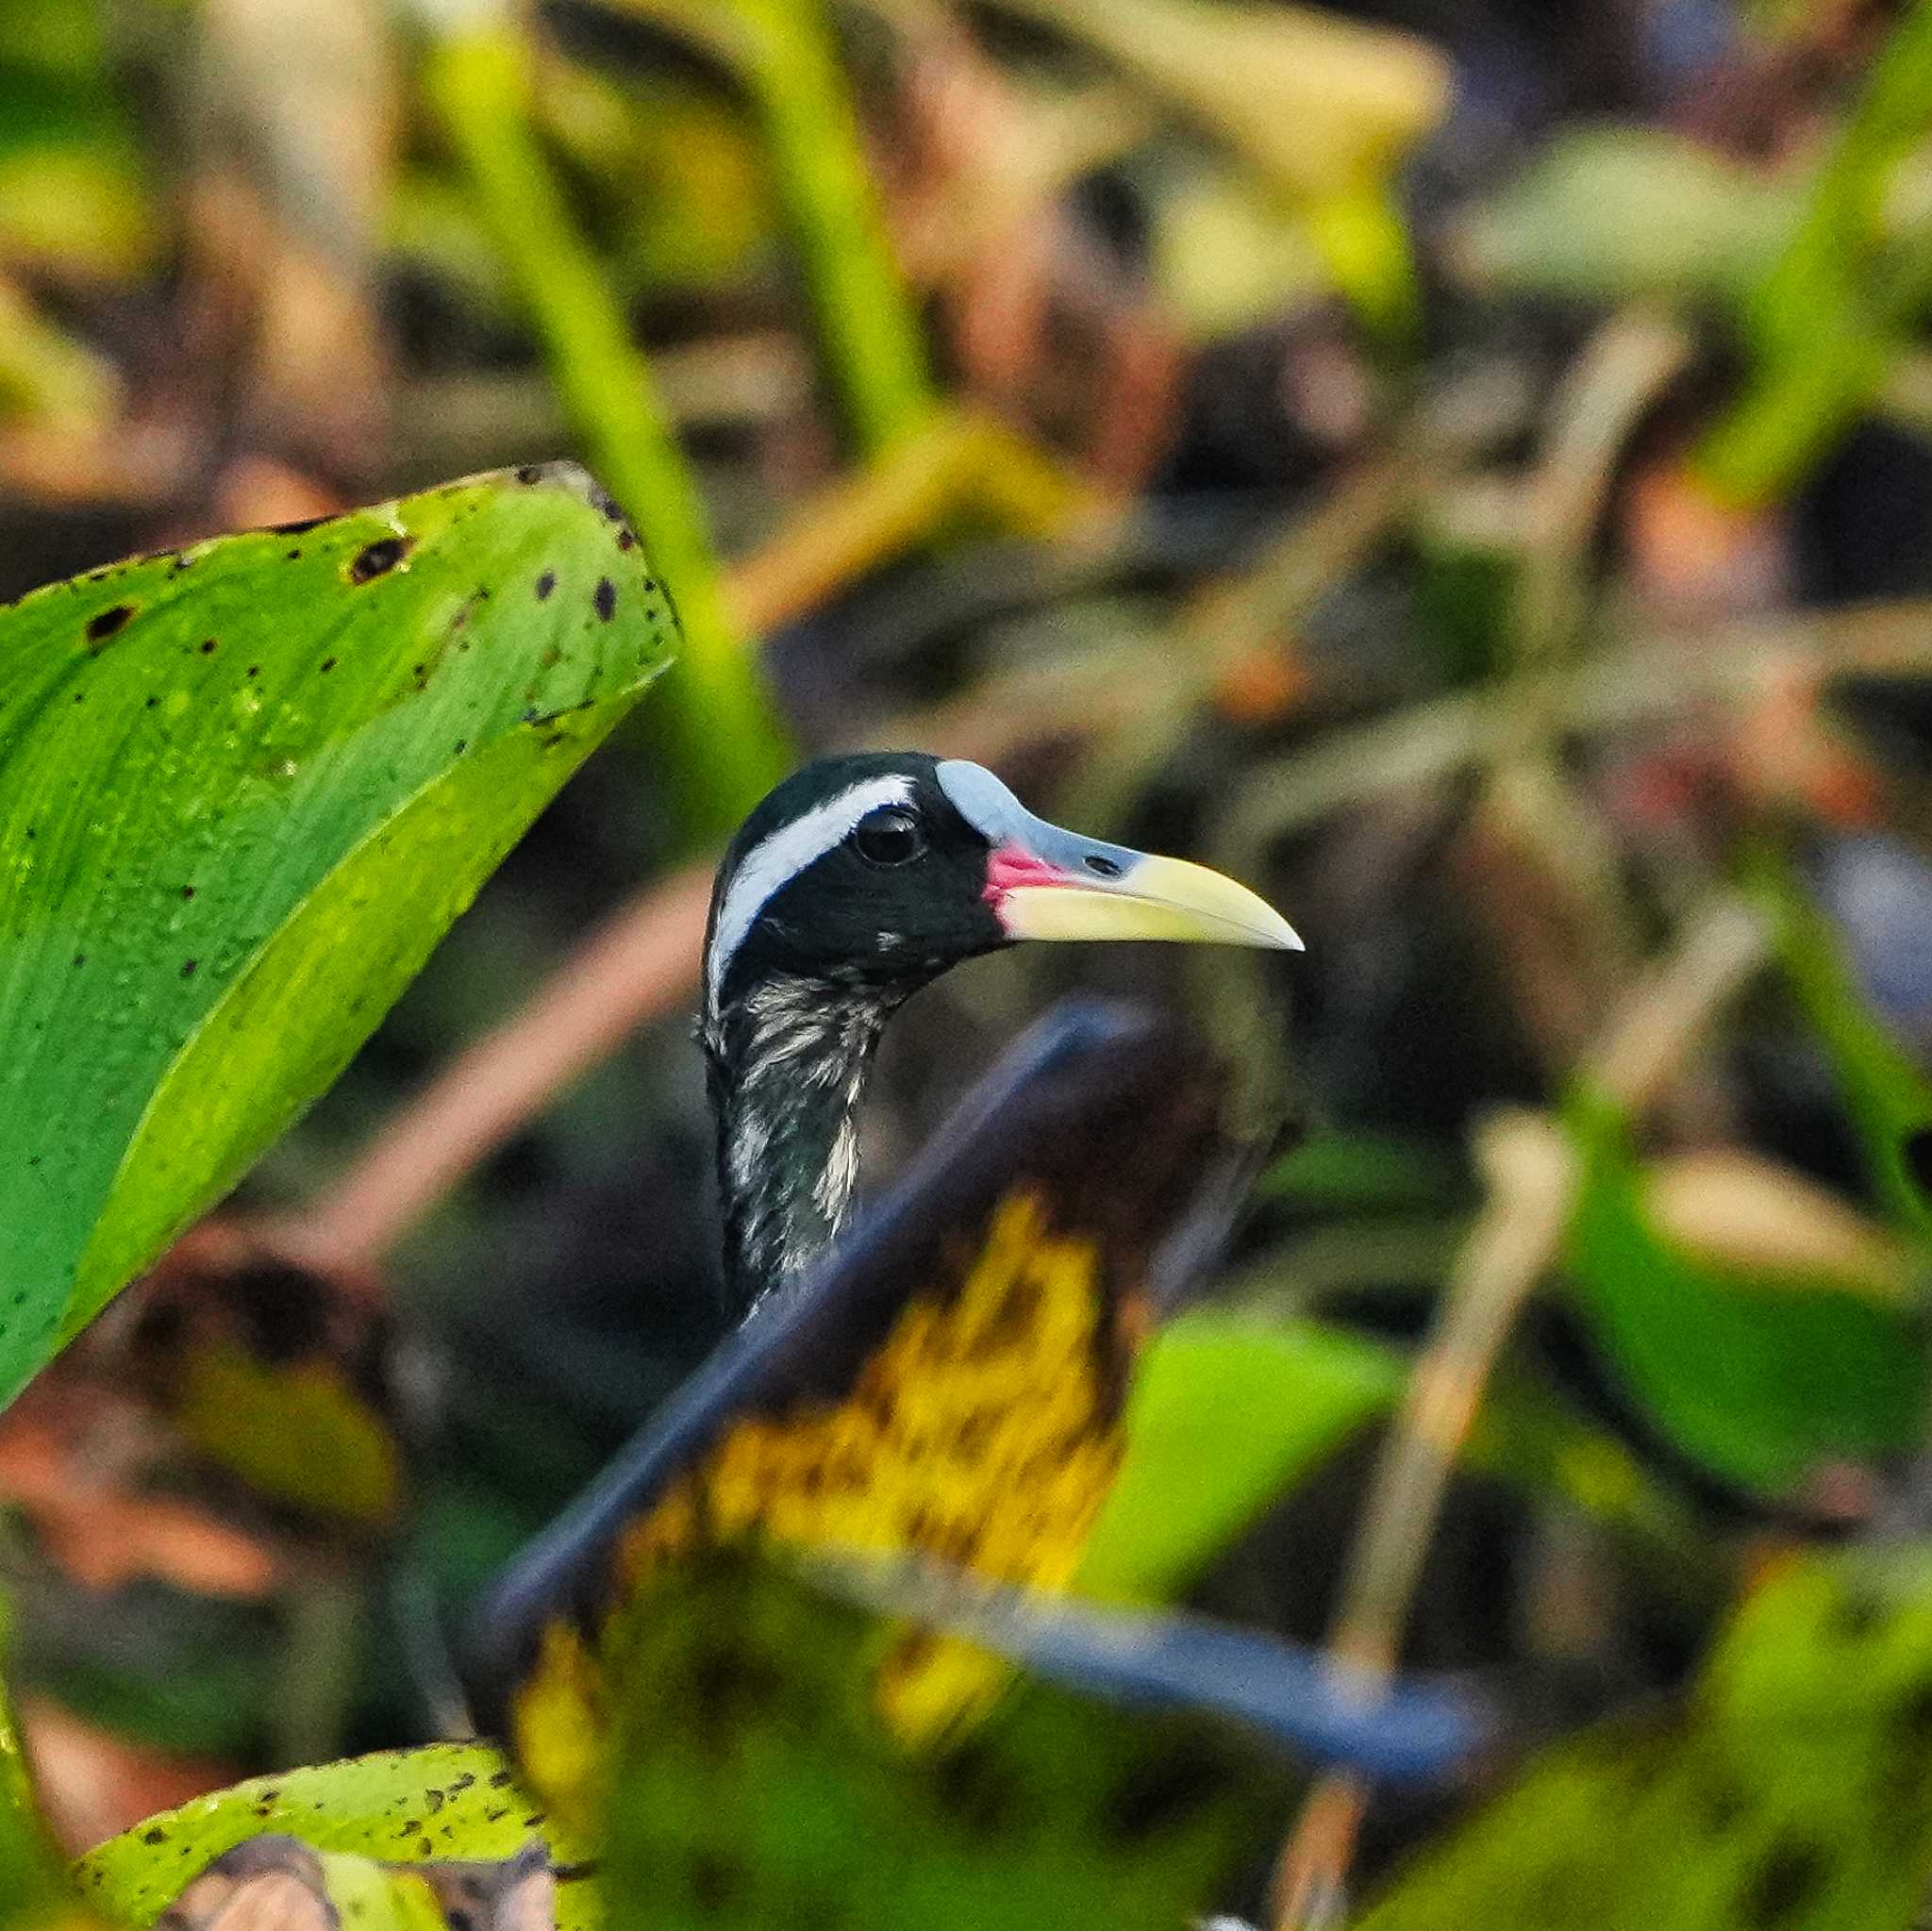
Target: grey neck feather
{"type": "Point", "coordinates": [788, 1062]}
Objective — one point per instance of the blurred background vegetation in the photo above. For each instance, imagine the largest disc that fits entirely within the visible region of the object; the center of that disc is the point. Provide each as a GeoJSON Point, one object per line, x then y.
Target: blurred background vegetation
{"type": "Point", "coordinates": [1464, 466]}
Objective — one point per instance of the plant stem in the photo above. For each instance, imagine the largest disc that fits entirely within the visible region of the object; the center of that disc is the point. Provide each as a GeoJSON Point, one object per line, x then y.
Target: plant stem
{"type": "Point", "coordinates": [1828, 321]}
{"type": "Point", "coordinates": [724, 741]}
{"type": "Point", "coordinates": [869, 332]}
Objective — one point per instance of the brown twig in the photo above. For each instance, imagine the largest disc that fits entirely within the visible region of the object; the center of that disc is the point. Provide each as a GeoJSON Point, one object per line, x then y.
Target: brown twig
{"type": "Point", "coordinates": [633, 968]}
{"type": "Point", "coordinates": [1529, 1175]}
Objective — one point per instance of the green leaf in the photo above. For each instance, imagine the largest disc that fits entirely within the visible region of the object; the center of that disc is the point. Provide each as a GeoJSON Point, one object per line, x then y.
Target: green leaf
{"type": "Point", "coordinates": [32, 1885]}
{"type": "Point", "coordinates": [1833, 313]}
{"type": "Point", "coordinates": [1224, 1416]}
{"type": "Point", "coordinates": [1889, 1097]}
{"type": "Point", "coordinates": [243, 791]}
{"type": "Point", "coordinates": [1363, 1171]}
{"type": "Point", "coordinates": [1619, 212]}
{"type": "Point", "coordinates": [1792, 1789]}
{"type": "Point", "coordinates": [1622, 212]}
{"type": "Point", "coordinates": [444, 1803]}
{"type": "Point", "coordinates": [1053, 1811]}
{"type": "Point", "coordinates": [1761, 1377]}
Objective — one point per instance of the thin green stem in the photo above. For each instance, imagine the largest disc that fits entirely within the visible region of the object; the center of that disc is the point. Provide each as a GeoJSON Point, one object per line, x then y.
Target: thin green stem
{"type": "Point", "coordinates": [1829, 320]}
{"type": "Point", "coordinates": [869, 332]}
{"type": "Point", "coordinates": [721, 731]}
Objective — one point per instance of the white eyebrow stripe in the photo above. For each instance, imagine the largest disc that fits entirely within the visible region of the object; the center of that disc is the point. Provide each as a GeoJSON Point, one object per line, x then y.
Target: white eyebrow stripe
{"type": "Point", "coordinates": [780, 857]}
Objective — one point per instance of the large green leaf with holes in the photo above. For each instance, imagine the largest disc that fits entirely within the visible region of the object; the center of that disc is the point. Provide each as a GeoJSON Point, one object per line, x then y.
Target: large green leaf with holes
{"type": "Point", "coordinates": [243, 790]}
{"type": "Point", "coordinates": [1792, 1789]}
{"type": "Point", "coordinates": [445, 1803]}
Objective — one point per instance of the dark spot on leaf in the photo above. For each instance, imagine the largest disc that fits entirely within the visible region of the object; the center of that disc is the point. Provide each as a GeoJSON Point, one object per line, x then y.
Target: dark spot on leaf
{"type": "Point", "coordinates": [80, 958]}
{"type": "Point", "coordinates": [254, 670]}
{"type": "Point", "coordinates": [1914, 1718]}
{"type": "Point", "coordinates": [461, 745]}
{"type": "Point", "coordinates": [500, 1780]}
{"type": "Point", "coordinates": [974, 1786]}
{"type": "Point", "coordinates": [1158, 1795]}
{"type": "Point", "coordinates": [545, 583]}
{"type": "Point", "coordinates": [104, 623]}
{"type": "Point", "coordinates": [1783, 1886]}
{"type": "Point", "coordinates": [188, 966]}
{"type": "Point", "coordinates": [294, 553]}
{"type": "Point", "coordinates": [188, 892]}
{"type": "Point", "coordinates": [329, 664]}
{"type": "Point", "coordinates": [377, 559]}
{"type": "Point", "coordinates": [602, 500]}
{"type": "Point", "coordinates": [1721, 1804]}
{"type": "Point", "coordinates": [530, 472]}
{"type": "Point", "coordinates": [626, 538]}
{"type": "Point", "coordinates": [716, 1883]}
{"type": "Point", "coordinates": [156, 1835]}
{"type": "Point", "coordinates": [1856, 1615]}
{"type": "Point", "coordinates": [152, 703]}
{"type": "Point", "coordinates": [605, 598]}
{"type": "Point", "coordinates": [208, 647]}
{"type": "Point", "coordinates": [1917, 1158]}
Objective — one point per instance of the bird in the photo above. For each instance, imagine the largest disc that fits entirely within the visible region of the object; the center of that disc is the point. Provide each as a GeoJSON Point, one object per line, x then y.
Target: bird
{"type": "Point", "coordinates": [856, 882]}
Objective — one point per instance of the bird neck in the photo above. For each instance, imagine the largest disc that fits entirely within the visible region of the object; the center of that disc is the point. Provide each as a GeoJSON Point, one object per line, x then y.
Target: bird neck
{"type": "Point", "coordinates": [788, 1062]}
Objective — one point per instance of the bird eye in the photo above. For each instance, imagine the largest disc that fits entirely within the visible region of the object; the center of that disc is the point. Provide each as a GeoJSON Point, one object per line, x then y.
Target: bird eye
{"type": "Point", "coordinates": [889, 836]}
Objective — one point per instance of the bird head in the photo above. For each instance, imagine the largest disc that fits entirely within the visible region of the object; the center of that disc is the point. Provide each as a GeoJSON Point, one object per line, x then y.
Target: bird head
{"type": "Point", "coordinates": [878, 871]}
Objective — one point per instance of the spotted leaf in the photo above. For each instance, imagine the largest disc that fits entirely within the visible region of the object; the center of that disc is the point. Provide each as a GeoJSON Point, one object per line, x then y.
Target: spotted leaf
{"type": "Point", "coordinates": [243, 790]}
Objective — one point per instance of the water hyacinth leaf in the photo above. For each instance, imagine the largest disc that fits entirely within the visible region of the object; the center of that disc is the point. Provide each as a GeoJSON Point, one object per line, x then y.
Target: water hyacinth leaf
{"type": "Point", "coordinates": [442, 1808]}
{"type": "Point", "coordinates": [1054, 1810]}
{"type": "Point", "coordinates": [1224, 1416]}
{"type": "Point", "coordinates": [1764, 1377]}
{"type": "Point", "coordinates": [245, 790]}
{"type": "Point", "coordinates": [1791, 1787]}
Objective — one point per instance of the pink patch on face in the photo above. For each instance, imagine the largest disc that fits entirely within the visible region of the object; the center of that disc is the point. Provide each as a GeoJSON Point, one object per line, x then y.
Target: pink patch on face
{"type": "Point", "coordinates": [1007, 866]}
